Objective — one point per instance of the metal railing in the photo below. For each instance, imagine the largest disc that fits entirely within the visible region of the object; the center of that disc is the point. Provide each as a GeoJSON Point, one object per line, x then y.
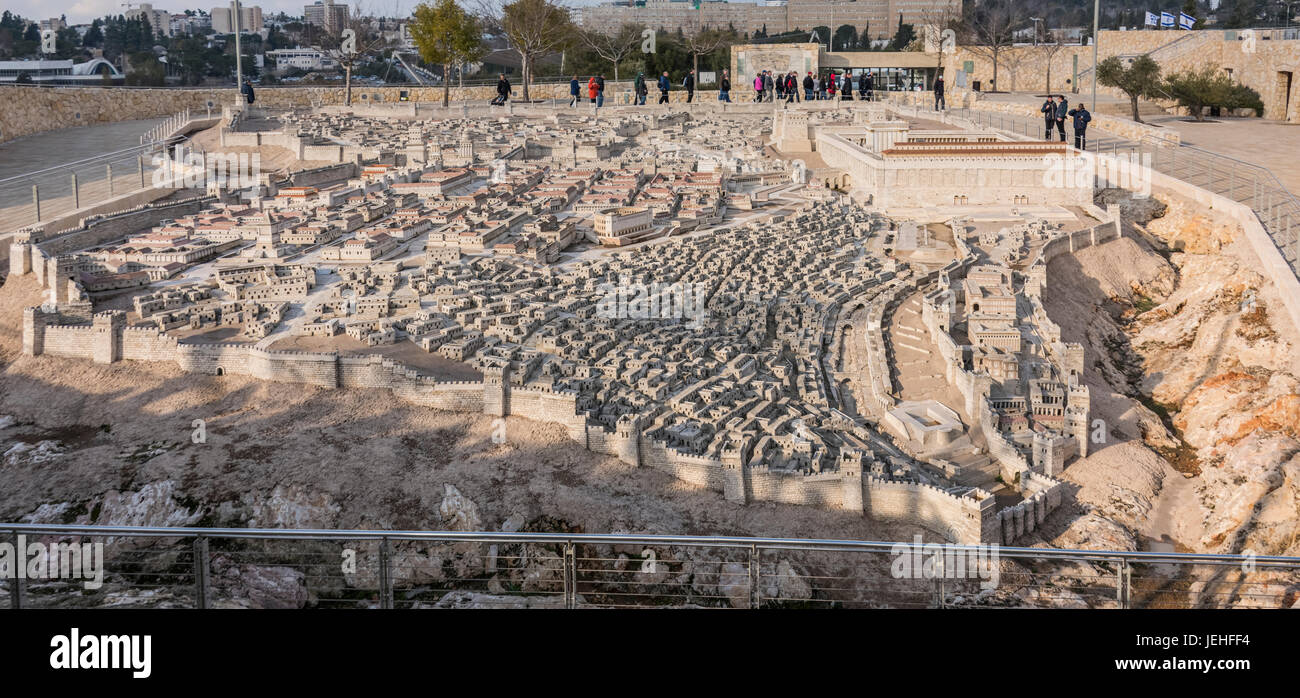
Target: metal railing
{"type": "Point", "coordinates": [1247, 183]}
{"type": "Point", "coordinates": [54, 191]}
{"type": "Point", "coordinates": [167, 128]}
{"type": "Point", "coordinates": [270, 568]}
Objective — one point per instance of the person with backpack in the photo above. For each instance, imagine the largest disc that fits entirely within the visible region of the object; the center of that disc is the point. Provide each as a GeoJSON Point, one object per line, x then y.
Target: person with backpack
{"type": "Point", "coordinates": [791, 87]}
{"type": "Point", "coordinates": [575, 94]}
{"type": "Point", "coordinates": [808, 86]}
{"type": "Point", "coordinates": [1048, 110]}
{"type": "Point", "coordinates": [664, 84]}
{"type": "Point", "coordinates": [688, 82]}
{"type": "Point", "coordinates": [640, 89]}
{"type": "Point", "coordinates": [724, 88]}
{"type": "Point", "coordinates": [1081, 119]}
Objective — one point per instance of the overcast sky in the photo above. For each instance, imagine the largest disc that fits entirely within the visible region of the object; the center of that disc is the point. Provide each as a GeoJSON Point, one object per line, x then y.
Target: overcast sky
{"type": "Point", "coordinates": [83, 11]}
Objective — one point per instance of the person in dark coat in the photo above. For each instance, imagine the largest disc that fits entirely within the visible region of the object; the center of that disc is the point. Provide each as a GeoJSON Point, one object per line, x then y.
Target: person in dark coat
{"type": "Point", "coordinates": [724, 88]}
{"type": "Point", "coordinates": [247, 89]}
{"type": "Point", "coordinates": [689, 83]}
{"type": "Point", "coordinates": [600, 91]}
{"type": "Point", "coordinates": [1081, 119]}
{"type": "Point", "coordinates": [574, 91]}
{"type": "Point", "coordinates": [1062, 111]}
{"type": "Point", "coordinates": [808, 86]}
{"type": "Point", "coordinates": [939, 102]}
{"type": "Point", "coordinates": [792, 87]}
{"type": "Point", "coordinates": [664, 84]}
{"type": "Point", "coordinates": [1049, 117]}
{"type": "Point", "coordinates": [503, 90]}
{"type": "Point", "coordinates": [640, 89]}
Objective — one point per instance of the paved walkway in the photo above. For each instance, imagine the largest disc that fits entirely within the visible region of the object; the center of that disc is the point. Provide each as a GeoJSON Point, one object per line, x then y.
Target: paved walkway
{"type": "Point", "coordinates": [52, 148]}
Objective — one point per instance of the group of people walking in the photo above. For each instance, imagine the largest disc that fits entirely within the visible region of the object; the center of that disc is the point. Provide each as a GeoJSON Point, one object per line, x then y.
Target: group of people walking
{"type": "Point", "coordinates": [1055, 110]}
{"type": "Point", "coordinates": [770, 87]}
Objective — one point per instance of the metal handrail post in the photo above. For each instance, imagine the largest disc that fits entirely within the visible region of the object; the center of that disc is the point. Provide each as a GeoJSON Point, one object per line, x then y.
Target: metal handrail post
{"type": "Point", "coordinates": [202, 573]}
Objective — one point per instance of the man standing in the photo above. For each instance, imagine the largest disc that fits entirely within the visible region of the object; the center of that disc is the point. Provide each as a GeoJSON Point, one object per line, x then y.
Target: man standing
{"type": "Point", "coordinates": [1062, 111]}
{"type": "Point", "coordinates": [600, 91]}
{"type": "Point", "coordinates": [939, 102]}
{"type": "Point", "coordinates": [640, 88]}
{"type": "Point", "coordinates": [247, 89]}
{"type": "Point", "coordinates": [1049, 117]}
{"type": "Point", "coordinates": [724, 88]}
{"type": "Point", "coordinates": [808, 87]}
{"type": "Point", "coordinates": [663, 88]}
{"type": "Point", "coordinates": [769, 87]}
{"type": "Point", "coordinates": [689, 83]}
{"type": "Point", "coordinates": [1081, 119]}
{"type": "Point", "coordinates": [792, 86]}
{"type": "Point", "coordinates": [574, 95]}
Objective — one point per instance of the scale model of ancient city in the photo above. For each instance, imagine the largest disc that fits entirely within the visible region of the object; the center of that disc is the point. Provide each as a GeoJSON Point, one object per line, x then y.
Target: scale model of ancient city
{"type": "Point", "coordinates": [915, 317]}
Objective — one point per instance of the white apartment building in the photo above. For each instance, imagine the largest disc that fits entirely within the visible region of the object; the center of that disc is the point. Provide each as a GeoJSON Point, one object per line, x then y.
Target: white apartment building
{"type": "Point", "coordinates": [159, 20]}
{"type": "Point", "coordinates": [250, 19]}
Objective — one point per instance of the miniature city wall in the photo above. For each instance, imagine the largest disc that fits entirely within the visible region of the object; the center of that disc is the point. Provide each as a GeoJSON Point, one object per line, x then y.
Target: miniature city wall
{"type": "Point", "coordinates": [968, 518]}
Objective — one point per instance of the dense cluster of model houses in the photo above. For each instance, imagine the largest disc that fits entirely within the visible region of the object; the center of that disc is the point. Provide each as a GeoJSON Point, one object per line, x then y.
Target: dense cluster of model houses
{"type": "Point", "coordinates": [730, 356]}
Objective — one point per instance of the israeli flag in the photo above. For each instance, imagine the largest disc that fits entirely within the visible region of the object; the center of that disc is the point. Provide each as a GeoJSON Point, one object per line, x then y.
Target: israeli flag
{"type": "Point", "coordinates": [1152, 19]}
{"type": "Point", "coordinates": [1166, 19]}
{"type": "Point", "coordinates": [1185, 21]}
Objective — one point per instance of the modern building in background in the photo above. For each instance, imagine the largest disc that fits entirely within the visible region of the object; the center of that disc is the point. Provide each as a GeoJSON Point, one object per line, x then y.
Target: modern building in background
{"type": "Point", "coordinates": [328, 14]}
{"type": "Point", "coordinates": [159, 20]}
{"type": "Point", "coordinates": [250, 19]}
{"type": "Point", "coordinates": [303, 58]}
{"type": "Point", "coordinates": [61, 72]}
{"type": "Point", "coordinates": [879, 18]}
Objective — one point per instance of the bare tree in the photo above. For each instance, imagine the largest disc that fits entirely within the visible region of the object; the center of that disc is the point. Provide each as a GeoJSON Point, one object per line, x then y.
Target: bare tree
{"type": "Point", "coordinates": [1049, 51]}
{"type": "Point", "coordinates": [702, 42]}
{"type": "Point", "coordinates": [990, 30]}
{"type": "Point", "coordinates": [534, 28]}
{"type": "Point", "coordinates": [349, 43]}
{"type": "Point", "coordinates": [940, 23]}
{"type": "Point", "coordinates": [613, 47]}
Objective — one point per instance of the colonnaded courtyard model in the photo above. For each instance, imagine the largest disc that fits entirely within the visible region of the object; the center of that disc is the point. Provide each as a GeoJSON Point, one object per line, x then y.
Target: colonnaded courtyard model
{"type": "Point", "coordinates": [861, 307]}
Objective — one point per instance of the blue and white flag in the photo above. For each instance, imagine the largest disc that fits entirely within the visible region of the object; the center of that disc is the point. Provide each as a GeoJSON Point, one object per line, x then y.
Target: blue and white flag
{"type": "Point", "coordinates": [1152, 19]}
{"type": "Point", "coordinates": [1166, 19]}
{"type": "Point", "coordinates": [1185, 21]}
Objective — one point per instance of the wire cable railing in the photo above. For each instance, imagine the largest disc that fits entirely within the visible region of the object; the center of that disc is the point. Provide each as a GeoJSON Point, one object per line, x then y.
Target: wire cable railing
{"type": "Point", "coordinates": [281, 568]}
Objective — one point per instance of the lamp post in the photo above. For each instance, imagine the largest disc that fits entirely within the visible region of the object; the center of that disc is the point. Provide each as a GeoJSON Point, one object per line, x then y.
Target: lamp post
{"type": "Point", "coordinates": [1035, 20]}
{"type": "Point", "coordinates": [1096, 12]}
{"type": "Point", "coordinates": [239, 56]}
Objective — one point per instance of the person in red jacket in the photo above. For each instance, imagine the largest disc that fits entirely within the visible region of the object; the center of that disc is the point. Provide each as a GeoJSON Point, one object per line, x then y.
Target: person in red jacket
{"type": "Point", "coordinates": [592, 89]}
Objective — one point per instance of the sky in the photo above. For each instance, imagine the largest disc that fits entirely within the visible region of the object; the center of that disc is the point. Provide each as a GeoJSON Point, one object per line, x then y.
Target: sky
{"type": "Point", "coordinates": [83, 11]}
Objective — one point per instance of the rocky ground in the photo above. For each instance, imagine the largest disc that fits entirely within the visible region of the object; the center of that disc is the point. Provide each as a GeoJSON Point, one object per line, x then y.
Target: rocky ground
{"type": "Point", "coordinates": [1193, 370]}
